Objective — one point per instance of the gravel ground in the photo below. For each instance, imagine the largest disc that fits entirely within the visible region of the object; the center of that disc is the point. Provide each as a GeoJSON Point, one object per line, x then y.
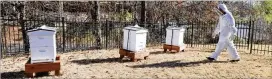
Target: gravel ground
{"type": "Point", "coordinates": [188, 64]}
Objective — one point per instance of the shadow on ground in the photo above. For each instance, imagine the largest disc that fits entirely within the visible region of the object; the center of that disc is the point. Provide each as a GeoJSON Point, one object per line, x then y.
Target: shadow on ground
{"type": "Point", "coordinates": [12, 75]}
{"type": "Point", "coordinates": [162, 52]}
{"type": "Point", "coordinates": [212, 50]}
{"type": "Point", "coordinates": [20, 74]}
{"type": "Point", "coordinates": [107, 60]}
{"type": "Point", "coordinates": [177, 63]}
{"type": "Point", "coordinates": [41, 74]}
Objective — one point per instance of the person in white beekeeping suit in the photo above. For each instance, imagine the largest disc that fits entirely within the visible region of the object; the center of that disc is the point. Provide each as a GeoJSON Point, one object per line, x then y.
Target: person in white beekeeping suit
{"type": "Point", "coordinates": [226, 28]}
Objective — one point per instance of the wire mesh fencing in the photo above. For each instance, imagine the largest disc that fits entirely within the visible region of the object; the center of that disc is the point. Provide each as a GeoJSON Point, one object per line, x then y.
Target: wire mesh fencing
{"type": "Point", "coordinates": [77, 35]}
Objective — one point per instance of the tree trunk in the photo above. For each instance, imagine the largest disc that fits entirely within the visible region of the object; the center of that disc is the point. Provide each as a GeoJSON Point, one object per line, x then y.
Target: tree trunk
{"type": "Point", "coordinates": [97, 27]}
{"type": "Point", "coordinates": [135, 13]}
{"type": "Point", "coordinates": [142, 12]}
{"type": "Point", "coordinates": [20, 7]}
{"type": "Point", "coordinates": [1, 48]}
{"type": "Point", "coordinates": [60, 9]}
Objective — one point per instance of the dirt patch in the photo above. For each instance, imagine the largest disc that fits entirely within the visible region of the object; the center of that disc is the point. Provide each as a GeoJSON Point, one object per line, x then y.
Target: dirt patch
{"type": "Point", "coordinates": [188, 64]}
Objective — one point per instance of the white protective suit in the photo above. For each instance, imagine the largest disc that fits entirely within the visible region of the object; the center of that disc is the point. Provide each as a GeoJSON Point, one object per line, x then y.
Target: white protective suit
{"type": "Point", "coordinates": [226, 28]}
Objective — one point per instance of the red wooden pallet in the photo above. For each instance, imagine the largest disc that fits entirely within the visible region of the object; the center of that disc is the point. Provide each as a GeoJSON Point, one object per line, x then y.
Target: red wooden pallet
{"type": "Point", "coordinates": [171, 47]}
{"type": "Point", "coordinates": [31, 69]}
{"type": "Point", "coordinates": [134, 56]}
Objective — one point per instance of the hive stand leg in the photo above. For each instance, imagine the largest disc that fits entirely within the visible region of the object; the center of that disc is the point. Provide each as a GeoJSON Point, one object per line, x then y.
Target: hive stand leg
{"type": "Point", "coordinates": [146, 57]}
{"type": "Point", "coordinates": [177, 50]}
{"type": "Point", "coordinates": [57, 72]}
{"type": "Point", "coordinates": [164, 50]}
{"type": "Point", "coordinates": [133, 58]}
{"type": "Point", "coordinates": [122, 56]}
{"type": "Point", "coordinates": [30, 75]}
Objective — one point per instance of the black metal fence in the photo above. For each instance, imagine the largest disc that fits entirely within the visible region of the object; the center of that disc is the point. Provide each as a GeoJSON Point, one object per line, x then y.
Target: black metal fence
{"type": "Point", "coordinates": [75, 35]}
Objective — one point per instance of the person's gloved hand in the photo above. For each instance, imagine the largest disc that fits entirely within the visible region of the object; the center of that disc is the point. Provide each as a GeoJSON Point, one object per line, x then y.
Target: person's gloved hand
{"type": "Point", "coordinates": [213, 35]}
{"type": "Point", "coordinates": [232, 37]}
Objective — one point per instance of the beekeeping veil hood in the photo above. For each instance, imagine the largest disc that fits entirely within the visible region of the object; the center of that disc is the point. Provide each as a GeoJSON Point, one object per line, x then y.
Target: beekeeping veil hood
{"type": "Point", "coordinates": [223, 7]}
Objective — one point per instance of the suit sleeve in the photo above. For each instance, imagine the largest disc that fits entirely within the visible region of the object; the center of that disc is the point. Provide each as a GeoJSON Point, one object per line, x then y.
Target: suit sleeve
{"type": "Point", "coordinates": [217, 29]}
{"type": "Point", "coordinates": [231, 24]}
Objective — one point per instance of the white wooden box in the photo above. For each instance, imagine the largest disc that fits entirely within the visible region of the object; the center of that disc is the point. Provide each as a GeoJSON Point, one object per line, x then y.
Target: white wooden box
{"type": "Point", "coordinates": [134, 38]}
{"type": "Point", "coordinates": [42, 42]}
{"type": "Point", "coordinates": [174, 36]}
{"type": "Point", "coordinates": [39, 41]}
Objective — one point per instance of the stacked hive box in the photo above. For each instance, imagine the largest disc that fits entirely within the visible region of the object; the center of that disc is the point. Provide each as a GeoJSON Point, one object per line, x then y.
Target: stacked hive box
{"type": "Point", "coordinates": [174, 39]}
{"type": "Point", "coordinates": [42, 44]}
{"type": "Point", "coordinates": [134, 38]}
{"type": "Point", "coordinates": [42, 51]}
{"type": "Point", "coordinates": [134, 41]}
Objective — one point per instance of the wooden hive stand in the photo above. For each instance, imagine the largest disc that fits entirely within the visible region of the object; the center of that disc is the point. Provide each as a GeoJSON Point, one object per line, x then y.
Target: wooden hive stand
{"type": "Point", "coordinates": [31, 69]}
{"type": "Point", "coordinates": [172, 47]}
{"type": "Point", "coordinates": [134, 56]}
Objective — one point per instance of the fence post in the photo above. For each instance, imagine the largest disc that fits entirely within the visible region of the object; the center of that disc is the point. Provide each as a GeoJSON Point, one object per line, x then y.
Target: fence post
{"type": "Point", "coordinates": [251, 38]}
{"type": "Point", "coordinates": [162, 32]}
{"type": "Point", "coordinates": [1, 50]}
{"type": "Point", "coordinates": [4, 40]}
{"type": "Point", "coordinates": [63, 34]}
{"type": "Point", "coordinates": [107, 34]}
{"type": "Point", "coordinates": [192, 35]}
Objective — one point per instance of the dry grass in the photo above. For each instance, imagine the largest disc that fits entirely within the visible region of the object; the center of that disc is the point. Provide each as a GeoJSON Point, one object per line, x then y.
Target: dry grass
{"type": "Point", "coordinates": [258, 49]}
{"type": "Point", "coordinates": [188, 64]}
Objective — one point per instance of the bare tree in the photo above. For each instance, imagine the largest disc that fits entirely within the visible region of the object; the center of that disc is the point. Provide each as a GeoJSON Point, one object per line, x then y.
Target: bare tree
{"type": "Point", "coordinates": [96, 18]}
{"type": "Point", "coordinates": [143, 12]}
{"type": "Point", "coordinates": [20, 6]}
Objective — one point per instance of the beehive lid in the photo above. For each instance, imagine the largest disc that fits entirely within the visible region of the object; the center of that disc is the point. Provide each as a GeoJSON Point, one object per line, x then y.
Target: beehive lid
{"type": "Point", "coordinates": [175, 28]}
{"type": "Point", "coordinates": [134, 28]}
{"type": "Point", "coordinates": [44, 28]}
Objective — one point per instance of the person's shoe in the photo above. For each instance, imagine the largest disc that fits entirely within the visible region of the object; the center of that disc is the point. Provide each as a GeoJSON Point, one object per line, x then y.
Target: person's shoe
{"type": "Point", "coordinates": [235, 60]}
{"type": "Point", "coordinates": [211, 59]}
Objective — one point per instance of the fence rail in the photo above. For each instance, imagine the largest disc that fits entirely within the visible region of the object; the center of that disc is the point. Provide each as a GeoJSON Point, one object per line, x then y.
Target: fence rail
{"type": "Point", "coordinates": [74, 35]}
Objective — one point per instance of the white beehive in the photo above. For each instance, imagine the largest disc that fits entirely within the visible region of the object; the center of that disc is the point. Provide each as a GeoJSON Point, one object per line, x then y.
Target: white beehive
{"type": "Point", "coordinates": [134, 38]}
{"type": "Point", "coordinates": [42, 42]}
{"type": "Point", "coordinates": [174, 36]}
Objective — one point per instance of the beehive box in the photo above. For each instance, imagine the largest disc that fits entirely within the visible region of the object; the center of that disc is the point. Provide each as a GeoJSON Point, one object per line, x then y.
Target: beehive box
{"type": "Point", "coordinates": [174, 36]}
{"type": "Point", "coordinates": [42, 42]}
{"type": "Point", "coordinates": [134, 38]}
